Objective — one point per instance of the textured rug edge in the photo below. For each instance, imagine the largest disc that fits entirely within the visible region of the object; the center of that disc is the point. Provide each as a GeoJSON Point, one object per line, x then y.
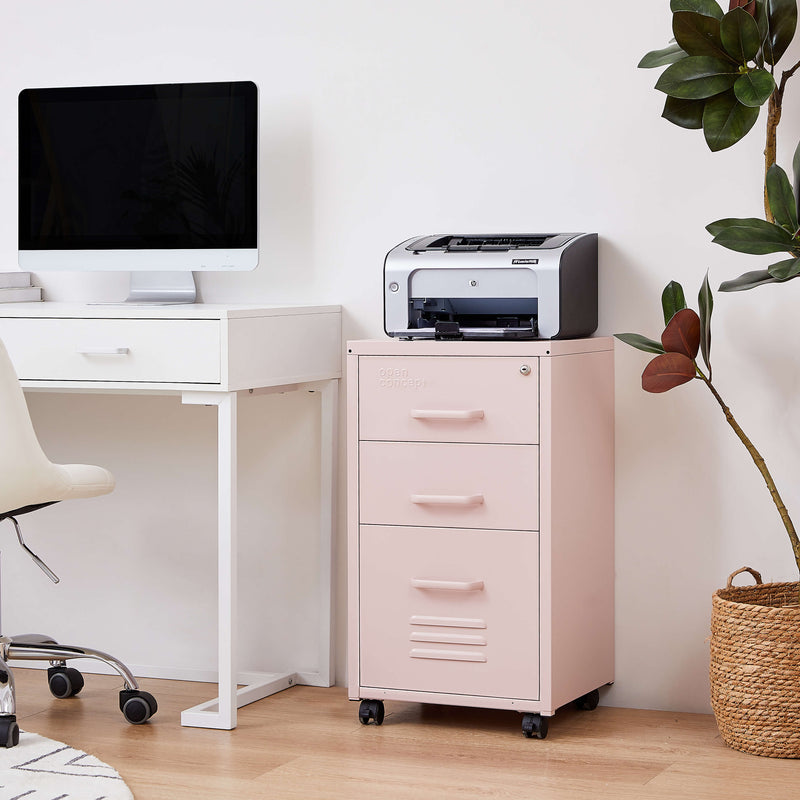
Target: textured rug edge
{"type": "Point", "coordinates": [39, 768]}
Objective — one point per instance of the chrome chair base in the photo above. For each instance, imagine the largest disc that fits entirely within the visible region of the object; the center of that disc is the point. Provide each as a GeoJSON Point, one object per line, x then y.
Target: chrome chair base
{"type": "Point", "coordinates": [136, 705]}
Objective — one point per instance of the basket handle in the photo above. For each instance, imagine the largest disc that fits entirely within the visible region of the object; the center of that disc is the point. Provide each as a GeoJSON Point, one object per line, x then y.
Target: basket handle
{"type": "Point", "coordinates": [755, 573]}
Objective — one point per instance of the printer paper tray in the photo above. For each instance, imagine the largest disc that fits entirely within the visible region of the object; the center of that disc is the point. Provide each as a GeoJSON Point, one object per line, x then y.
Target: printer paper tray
{"type": "Point", "coordinates": [470, 333]}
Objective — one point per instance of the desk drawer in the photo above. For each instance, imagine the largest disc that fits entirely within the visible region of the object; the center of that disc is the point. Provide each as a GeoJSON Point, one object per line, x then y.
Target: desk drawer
{"type": "Point", "coordinates": [453, 611]}
{"type": "Point", "coordinates": [141, 350]}
{"type": "Point", "coordinates": [446, 399]}
{"type": "Point", "coordinates": [450, 485]}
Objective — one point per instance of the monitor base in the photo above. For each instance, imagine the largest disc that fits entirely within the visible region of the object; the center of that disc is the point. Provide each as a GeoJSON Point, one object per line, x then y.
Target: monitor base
{"type": "Point", "coordinates": [162, 288]}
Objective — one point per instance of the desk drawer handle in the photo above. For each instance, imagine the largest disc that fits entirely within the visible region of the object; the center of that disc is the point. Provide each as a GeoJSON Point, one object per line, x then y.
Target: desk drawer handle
{"type": "Point", "coordinates": [104, 351]}
{"type": "Point", "coordinates": [447, 499]}
{"type": "Point", "coordinates": [434, 413]}
{"type": "Point", "coordinates": [448, 586]}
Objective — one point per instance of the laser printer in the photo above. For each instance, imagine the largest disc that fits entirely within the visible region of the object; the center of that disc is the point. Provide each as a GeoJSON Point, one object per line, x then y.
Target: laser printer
{"type": "Point", "coordinates": [530, 286]}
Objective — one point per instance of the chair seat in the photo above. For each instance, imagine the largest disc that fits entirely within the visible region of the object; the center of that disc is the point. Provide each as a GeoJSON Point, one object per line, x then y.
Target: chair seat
{"type": "Point", "coordinates": [51, 483]}
{"type": "Point", "coordinates": [86, 480]}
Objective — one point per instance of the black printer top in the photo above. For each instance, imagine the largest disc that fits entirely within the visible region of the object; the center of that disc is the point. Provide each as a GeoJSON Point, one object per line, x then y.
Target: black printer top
{"type": "Point", "coordinates": [457, 243]}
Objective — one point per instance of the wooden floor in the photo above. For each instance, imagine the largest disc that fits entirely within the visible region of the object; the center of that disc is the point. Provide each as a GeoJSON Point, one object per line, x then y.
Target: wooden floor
{"type": "Point", "coordinates": [307, 743]}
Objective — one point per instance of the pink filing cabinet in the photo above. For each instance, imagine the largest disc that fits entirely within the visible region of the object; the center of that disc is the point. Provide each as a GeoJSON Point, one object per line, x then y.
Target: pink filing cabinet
{"type": "Point", "coordinates": [480, 524]}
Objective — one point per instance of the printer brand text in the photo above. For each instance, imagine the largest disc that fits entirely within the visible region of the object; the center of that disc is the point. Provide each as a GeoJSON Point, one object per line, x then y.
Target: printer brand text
{"type": "Point", "coordinates": [397, 378]}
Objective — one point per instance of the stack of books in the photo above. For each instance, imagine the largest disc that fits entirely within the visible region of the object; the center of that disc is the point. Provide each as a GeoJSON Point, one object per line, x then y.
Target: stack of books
{"type": "Point", "coordinates": [16, 287]}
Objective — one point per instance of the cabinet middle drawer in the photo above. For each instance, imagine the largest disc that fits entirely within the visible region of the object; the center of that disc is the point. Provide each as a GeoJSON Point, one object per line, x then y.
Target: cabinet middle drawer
{"type": "Point", "coordinates": [449, 485]}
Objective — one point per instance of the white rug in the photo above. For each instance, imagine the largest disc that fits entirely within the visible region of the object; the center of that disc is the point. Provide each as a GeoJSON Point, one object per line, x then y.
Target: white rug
{"type": "Point", "coordinates": [42, 769]}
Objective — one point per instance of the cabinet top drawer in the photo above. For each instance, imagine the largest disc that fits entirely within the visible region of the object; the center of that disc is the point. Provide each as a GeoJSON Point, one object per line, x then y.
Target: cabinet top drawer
{"type": "Point", "coordinates": [447, 399]}
{"type": "Point", "coordinates": [142, 350]}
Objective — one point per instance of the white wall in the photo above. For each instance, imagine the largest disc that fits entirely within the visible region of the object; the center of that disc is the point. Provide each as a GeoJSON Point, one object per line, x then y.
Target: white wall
{"type": "Point", "coordinates": [379, 121]}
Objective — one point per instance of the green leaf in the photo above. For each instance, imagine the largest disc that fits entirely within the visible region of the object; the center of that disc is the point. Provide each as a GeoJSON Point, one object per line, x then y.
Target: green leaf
{"type": "Point", "coordinates": [684, 113]}
{"type": "Point", "coordinates": [709, 8]}
{"type": "Point", "coordinates": [672, 300]}
{"type": "Point", "coordinates": [796, 163]}
{"type": "Point", "coordinates": [781, 18]}
{"type": "Point", "coordinates": [754, 88]}
{"type": "Point", "coordinates": [739, 35]}
{"type": "Point", "coordinates": [763, 29]}
{"type": "Point", "coordinates": [760, 16]}
{"type": "Point", "coordinates": [748, 281]}
{"type": "Point", "coordinates": [706, 305]}
{"type": "Point", "coordinates": [781, 199]}
{"type": "Point", "coordinates": [796, 175]}
{"type": "Point", "coordinates": [640, 342]}
{"type": "Point", "coordinates": [785, 270]}
{"type": "Point", "coordinates": [726, 121]}
{"type": "Point", "coordinates": [699, 35]}
{"type": "Point", "coordinates": [730, 222]}
{"type": "Point", "coordinates": [754, 236]}
{"type": "Point", "coordinates": [697, 77]}
{"type": "Point", "coordinates": [660, 58]}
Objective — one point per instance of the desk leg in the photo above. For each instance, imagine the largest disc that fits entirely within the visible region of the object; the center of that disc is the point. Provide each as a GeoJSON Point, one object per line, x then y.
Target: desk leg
{"type": "Point", "coordinates": [329, 454]}
{"type": "Point", "coordinates": [329, 419]}
{"type": "Point", "coordinates": [220, 713]}
{"type": "Point", "coordinates": [227, 559]}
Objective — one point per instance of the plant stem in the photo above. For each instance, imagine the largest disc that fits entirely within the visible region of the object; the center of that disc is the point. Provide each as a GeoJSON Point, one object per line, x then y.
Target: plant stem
{"type": "Point", "coordinates": [774, 108]}
{"type": "Point", "coordinates": [762, 468]}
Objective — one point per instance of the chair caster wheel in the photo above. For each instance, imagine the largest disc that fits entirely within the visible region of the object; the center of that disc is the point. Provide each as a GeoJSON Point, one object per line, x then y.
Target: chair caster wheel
{"type": "Point", "coordinates": [64, 681]}
{"type": "Point", "coordinates": [137, 706]}
{"type": "Point", "coordinates": [371, 709]}
{"type": "Point", "coordinates": [534, 725]}
{"type": "Point", "coordinates": [9, 731]}
{"type": "Point", "coordinates": [589, 701]}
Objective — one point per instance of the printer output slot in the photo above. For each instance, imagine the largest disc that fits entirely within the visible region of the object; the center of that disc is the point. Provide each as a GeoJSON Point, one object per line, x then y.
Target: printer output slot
{"type": "Point", "coordinates": [501, 243]}
{"type": "Point", "coordinates": [475, 318]}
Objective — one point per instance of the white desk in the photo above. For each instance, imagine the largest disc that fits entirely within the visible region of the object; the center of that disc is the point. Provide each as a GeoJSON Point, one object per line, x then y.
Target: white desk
{"type": "Point", "coordinates": [207, 354]}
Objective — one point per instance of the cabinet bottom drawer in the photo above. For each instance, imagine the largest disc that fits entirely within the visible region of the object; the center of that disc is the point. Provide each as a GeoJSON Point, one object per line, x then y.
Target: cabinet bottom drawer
{"type": "Point", "coordinates": [449, 611]}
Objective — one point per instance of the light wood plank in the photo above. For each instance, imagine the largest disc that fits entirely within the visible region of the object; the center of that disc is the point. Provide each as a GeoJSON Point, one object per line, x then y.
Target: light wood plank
{"type": "Point", "coordinates": [306, 742]}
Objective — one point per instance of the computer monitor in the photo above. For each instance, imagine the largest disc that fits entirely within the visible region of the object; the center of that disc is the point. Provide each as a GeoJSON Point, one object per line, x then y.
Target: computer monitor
{"type": "Point", "coordinates": [157, 179]}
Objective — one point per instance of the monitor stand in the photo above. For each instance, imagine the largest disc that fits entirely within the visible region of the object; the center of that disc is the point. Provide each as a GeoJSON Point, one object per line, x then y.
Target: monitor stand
{"type": "Point", "coordinates": [162, 288]}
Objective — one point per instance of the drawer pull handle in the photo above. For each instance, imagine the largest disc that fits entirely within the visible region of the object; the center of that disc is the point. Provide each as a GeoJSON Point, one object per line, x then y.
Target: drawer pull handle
{"type": "Point", "coordinates": [446, 655]}
{"type": "Point", "coordinates": [447, 499]}
{"type": "Point", "coordinates": [433, 413]}
{"type": "Point", "coordinates": [104, 351]}
{"type": "Point", "coordinates": [447, 622]}
{"type": "Point", "coordinates": [449, 586]}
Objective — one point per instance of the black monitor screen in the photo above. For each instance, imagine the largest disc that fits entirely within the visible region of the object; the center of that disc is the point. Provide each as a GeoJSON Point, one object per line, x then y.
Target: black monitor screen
{"type": "Point", "coordinates": [170, 166]}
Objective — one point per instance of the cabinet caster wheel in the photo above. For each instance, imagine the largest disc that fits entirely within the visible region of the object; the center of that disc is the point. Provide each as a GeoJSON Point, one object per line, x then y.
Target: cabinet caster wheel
{"type": "Point", "coordinates": [136, 706]}
{"type": "Point", "coordinates": [589, 701]}
{"type": "Point", "coordinates": [534, 725]}
{"type": "Point", "coordinates": [371, 709]}
{"type": "Point", "coordinates": [9, 731]}
{"type": "Point", "coordinates": [64, 681]}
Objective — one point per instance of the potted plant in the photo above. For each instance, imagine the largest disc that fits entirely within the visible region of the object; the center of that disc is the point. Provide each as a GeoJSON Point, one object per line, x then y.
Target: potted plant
{"type": "Point", "coordinates": [721, 68]}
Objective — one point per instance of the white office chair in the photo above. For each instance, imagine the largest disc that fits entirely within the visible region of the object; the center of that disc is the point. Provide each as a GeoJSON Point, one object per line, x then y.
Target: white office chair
{"type": "Point", "coordinates": [30, 481]}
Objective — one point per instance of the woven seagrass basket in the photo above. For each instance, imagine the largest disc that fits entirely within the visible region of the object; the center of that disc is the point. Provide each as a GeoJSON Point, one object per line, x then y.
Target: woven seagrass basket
{"type": "Point", "coordinates": [755, 666]}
